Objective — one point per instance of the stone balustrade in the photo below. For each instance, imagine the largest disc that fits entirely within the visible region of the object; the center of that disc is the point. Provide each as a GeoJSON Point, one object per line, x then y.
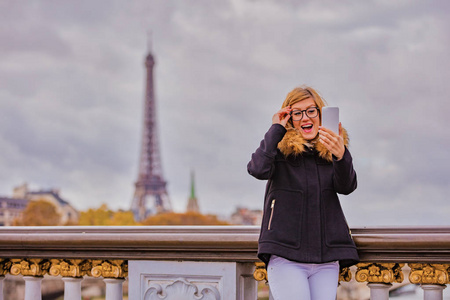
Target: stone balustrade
{"type": "Point", "coordinates": [207, 262]}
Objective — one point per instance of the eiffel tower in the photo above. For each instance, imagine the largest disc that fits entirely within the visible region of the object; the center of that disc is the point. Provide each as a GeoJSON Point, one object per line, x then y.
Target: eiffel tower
{"type": "Point", "coordinates": [150, 196]}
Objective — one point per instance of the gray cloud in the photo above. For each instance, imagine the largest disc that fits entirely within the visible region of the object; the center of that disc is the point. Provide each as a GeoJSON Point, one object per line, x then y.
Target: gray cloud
{"type": "Point", "coordinates": [72, 89]}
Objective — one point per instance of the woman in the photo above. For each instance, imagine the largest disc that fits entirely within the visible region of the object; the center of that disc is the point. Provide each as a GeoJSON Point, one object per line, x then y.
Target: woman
{"type": "Point", "coordinates": [304, 236]}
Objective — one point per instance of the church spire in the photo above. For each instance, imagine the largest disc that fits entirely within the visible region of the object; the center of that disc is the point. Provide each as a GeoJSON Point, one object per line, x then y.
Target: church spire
{"type": "Point", "coordinates": [192, 205]}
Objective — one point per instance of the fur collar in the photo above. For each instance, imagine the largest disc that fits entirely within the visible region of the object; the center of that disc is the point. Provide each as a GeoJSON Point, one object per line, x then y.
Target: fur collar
{"type": "Point", "coordinates": [293, 143]}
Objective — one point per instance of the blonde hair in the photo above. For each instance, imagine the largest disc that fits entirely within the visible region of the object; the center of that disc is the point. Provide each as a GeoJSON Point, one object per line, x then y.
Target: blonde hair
{"type": "Point", "coordinates": [301, 93]}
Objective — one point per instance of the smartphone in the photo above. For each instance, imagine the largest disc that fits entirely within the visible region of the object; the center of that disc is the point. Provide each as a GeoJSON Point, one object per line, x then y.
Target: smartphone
{"type": "Point", "coordinates": [330, 118]}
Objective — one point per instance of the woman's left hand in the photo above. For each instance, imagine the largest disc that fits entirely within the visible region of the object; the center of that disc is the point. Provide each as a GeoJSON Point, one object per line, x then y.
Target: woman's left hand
{"type": "Point", "coordinates": [333, 142]}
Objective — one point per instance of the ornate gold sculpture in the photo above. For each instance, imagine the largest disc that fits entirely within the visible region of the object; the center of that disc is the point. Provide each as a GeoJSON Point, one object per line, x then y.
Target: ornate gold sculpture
{"type": "Point", "coordinates": [429, 273]}
{"type": "Point", "coordinates": [70, 267]}
{"type": "Point", "coordinates": [64, 267]}
{"type": "Point", "coordinates": [345, 275]}
{"type": "Point", "coordinates": [29, 267]}
{"type": "Point", "coordinates": [5, 265]}
{"type": "Point", "coordinates": [109, 268]}
{"type": "Point", "coordinates": [260, 273]}
{"type": "Point", "coordinates": [379, 272]}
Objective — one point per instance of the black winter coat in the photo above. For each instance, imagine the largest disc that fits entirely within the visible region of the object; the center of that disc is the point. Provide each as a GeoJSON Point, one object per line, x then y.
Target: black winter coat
{"type": "Point", "coordinates": [303, 220]}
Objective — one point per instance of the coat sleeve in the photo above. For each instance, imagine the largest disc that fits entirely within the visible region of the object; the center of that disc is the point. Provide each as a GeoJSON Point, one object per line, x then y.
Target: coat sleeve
{"type": "Point", "coordinates": [344, 179]}
{"type": "Point", "coordinates": [262, 163]}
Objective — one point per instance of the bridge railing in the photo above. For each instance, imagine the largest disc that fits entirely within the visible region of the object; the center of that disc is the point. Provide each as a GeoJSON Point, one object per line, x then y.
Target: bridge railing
{"type": "Point", "coordinates": [205, 262]}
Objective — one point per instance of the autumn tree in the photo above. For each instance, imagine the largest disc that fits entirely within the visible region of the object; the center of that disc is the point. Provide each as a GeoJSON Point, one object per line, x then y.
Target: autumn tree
{"type": "Point", "coordinates": [96, 216]}
{"type": "Point", "coordinates": [188, 218]}
{"type": "Point", "coordinates": [103, 216]}
{"type": "Point", "coordinates": [39, 213]}
{"type": "Point", "coordinates": [123, 218]}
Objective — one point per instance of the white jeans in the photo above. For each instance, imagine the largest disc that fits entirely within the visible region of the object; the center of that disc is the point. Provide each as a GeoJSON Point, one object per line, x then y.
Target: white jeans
{"type": "Point", "coordinates": [289, 280]}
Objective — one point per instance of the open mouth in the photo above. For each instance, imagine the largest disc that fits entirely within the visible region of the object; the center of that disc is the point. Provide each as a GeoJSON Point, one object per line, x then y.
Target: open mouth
{"type": "Point", "coordinates": [307, 127]}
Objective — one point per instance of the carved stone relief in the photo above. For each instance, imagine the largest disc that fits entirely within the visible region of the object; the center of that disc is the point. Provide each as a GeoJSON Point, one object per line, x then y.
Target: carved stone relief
{"type": "Point", "coordinates": [181, 289]}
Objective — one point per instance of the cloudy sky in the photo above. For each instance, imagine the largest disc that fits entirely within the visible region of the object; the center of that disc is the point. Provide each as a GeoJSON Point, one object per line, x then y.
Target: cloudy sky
{"type": "Point", "coordinates": [72, 90]}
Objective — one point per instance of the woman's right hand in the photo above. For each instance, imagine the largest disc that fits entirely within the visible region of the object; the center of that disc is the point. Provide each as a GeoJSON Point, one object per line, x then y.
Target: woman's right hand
{"type": "Point", "coordinates": [282, 116]}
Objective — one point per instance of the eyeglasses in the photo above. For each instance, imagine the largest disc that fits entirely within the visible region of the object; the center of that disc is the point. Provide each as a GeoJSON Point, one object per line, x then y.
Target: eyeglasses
{"type": "Point", "coordinates": [310, 112]}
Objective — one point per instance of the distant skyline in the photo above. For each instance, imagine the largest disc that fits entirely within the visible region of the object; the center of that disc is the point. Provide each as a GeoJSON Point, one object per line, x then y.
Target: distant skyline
{"type": "Point", "coordinates": [72, 81]}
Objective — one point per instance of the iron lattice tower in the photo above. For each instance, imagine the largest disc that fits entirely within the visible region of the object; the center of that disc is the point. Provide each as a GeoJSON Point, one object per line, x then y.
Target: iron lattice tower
{"type": "Point", "coordinates": [150, 196]}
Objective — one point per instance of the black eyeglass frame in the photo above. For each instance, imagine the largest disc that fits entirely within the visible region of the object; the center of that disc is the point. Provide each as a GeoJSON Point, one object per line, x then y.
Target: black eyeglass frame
{"type": "Point", "coordinates": [305, 112]}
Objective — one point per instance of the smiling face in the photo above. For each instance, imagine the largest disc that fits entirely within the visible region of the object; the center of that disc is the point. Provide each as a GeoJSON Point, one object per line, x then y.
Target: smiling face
{"type": "Point", "coordinates": [308, 127]}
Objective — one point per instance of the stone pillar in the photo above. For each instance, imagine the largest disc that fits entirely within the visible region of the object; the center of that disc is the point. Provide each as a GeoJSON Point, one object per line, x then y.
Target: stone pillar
{"type": "Point", "coordinates": [33, 270]}
{"type": "Point", "coordinates": [433, 291]}
{"type": "Point", "coordinates": [1, 286]}
{"type": "Point", "coordinates": [72, 288]}
{"type": "Point", "coordinates": [114, 273]}
{"type": "Point", "coordinates": [379, 277]}
{"type": "Point", "coordinates": [191, 280]}
{"type": "Point", "coordinates": [379, 291]}
{"type": "Point", "coordinates": [431, 277]}
{"type": "Point", "coordinates": [33, 288]}
{"type": "Point", "coordinates": [114, 288]}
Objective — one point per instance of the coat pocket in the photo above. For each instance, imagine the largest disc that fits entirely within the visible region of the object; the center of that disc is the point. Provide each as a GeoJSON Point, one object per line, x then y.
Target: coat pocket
{"type": "Point", "coordinates": [337, 231]}
{"type": "Point", "coordinates": [282, 218]}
